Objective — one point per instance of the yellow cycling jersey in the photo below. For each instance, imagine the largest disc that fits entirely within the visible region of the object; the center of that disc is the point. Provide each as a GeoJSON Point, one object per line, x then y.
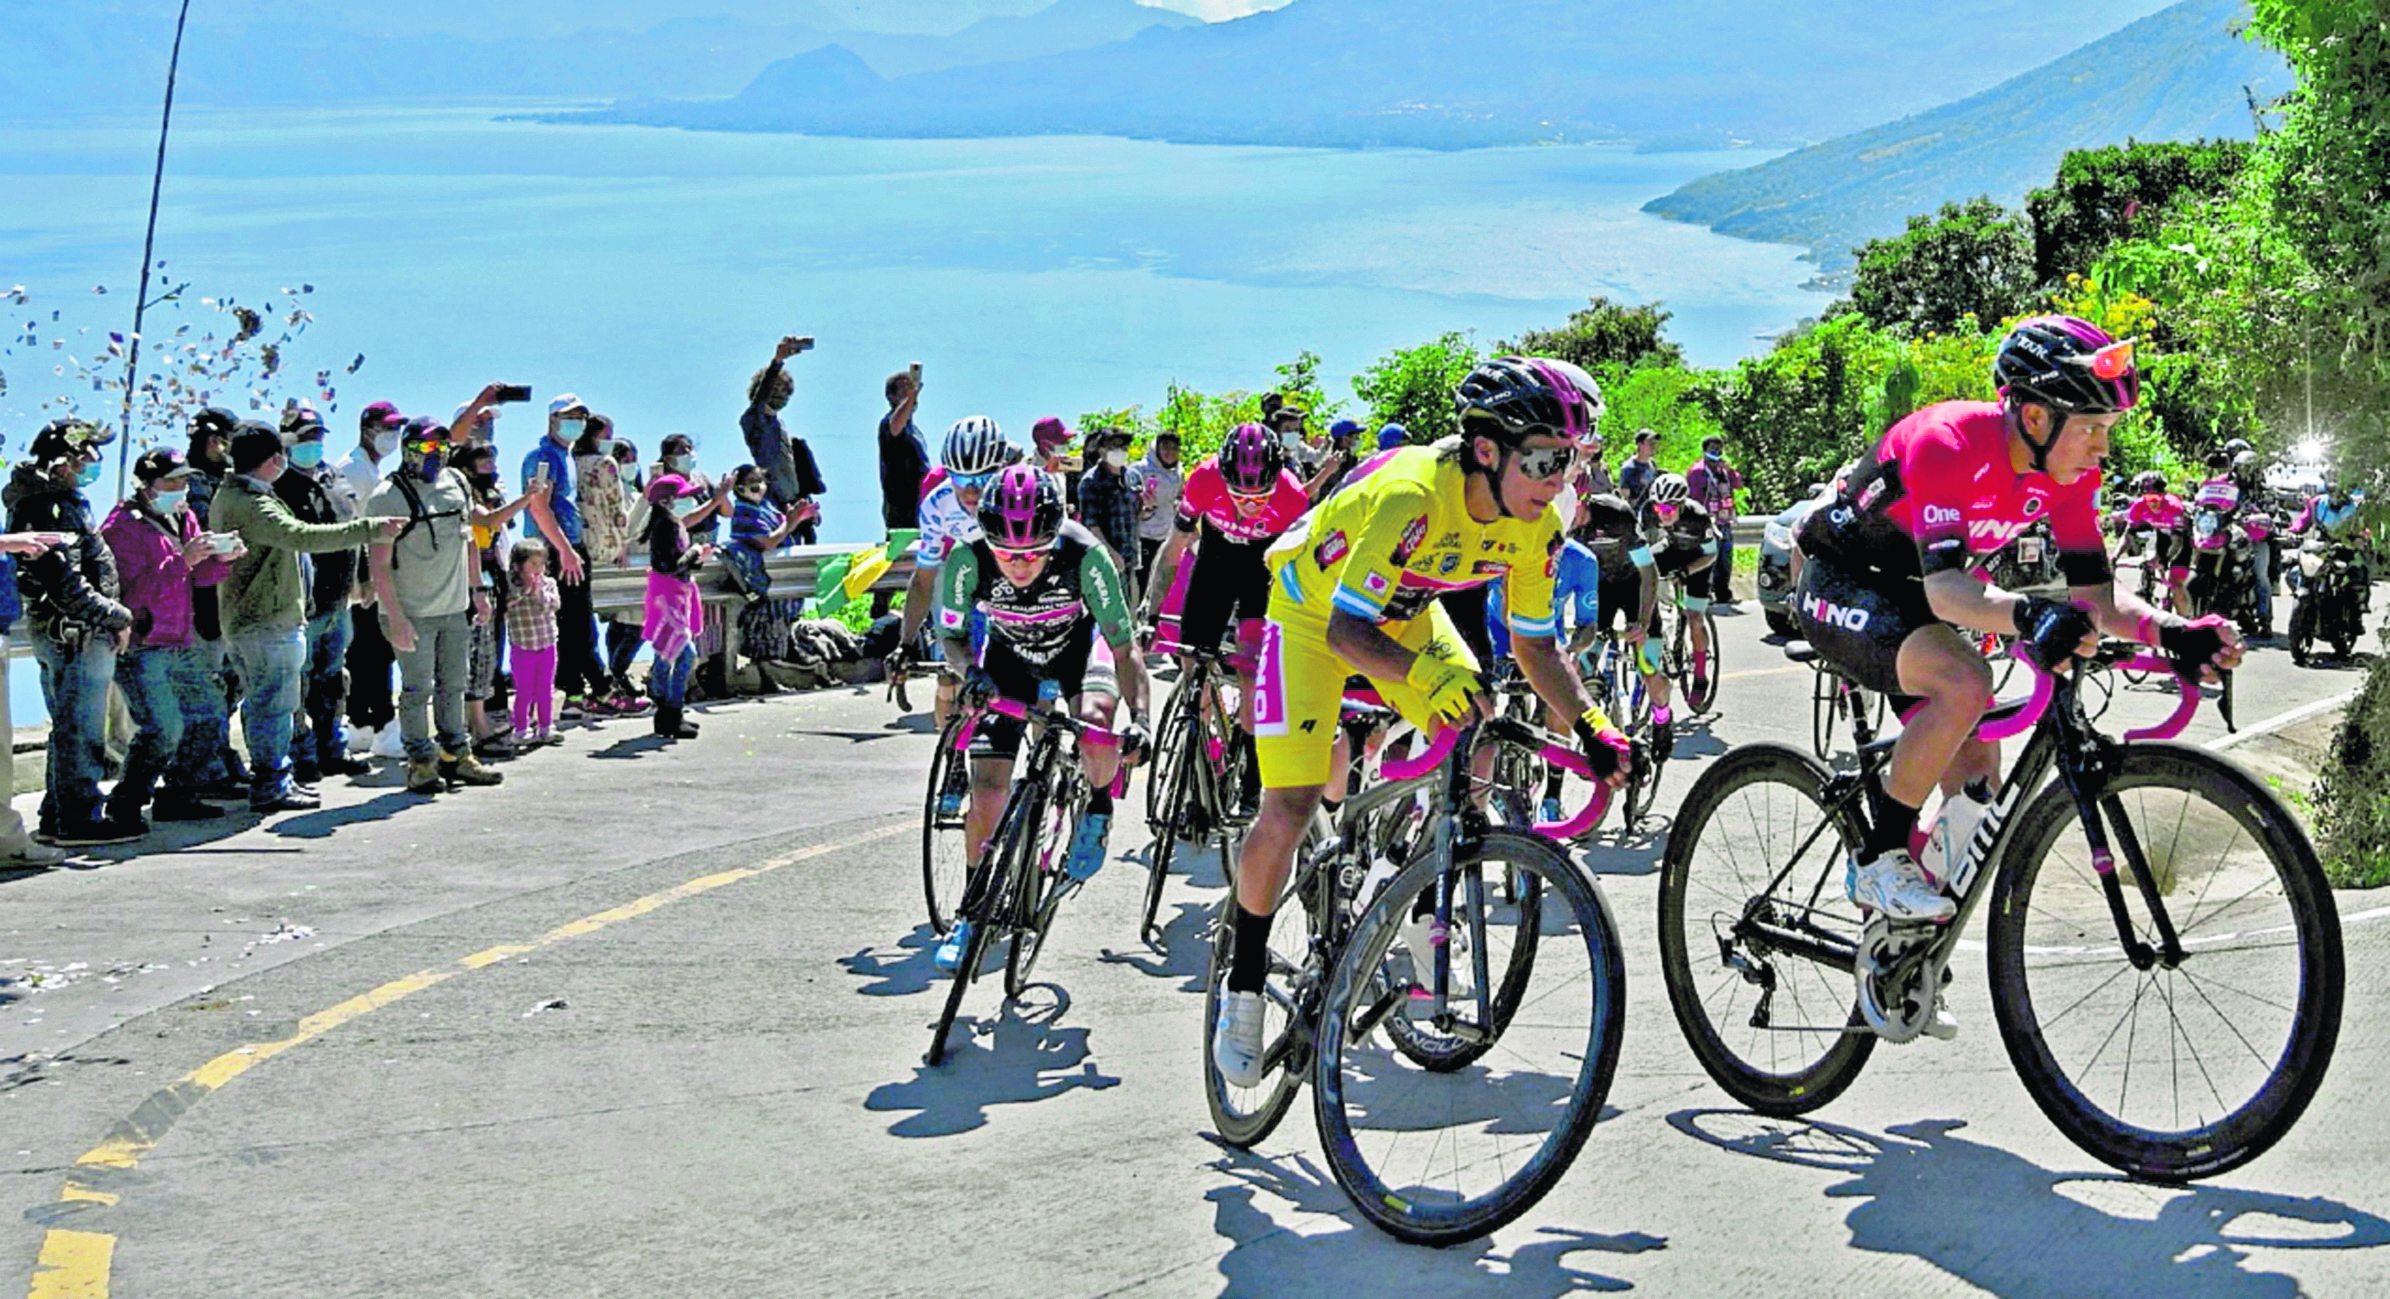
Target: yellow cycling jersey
{"type": "Point", "coordinates": [1398, 534]}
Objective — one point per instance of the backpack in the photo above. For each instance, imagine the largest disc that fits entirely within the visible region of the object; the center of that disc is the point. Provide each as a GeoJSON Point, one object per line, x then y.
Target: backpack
{"type": "Point", "coordinates": [417, 515]}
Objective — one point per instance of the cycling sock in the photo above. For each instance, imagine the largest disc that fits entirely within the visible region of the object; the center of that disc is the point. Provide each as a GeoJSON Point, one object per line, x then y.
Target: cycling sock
{"type": "Point", "coordinates": [1331, 806]}
{"type": "Point", "coordinates": [1249, 960]}
{"type": "Point", "coordinates": [1099, 802]}
{"type": "Point", "coordinates": [1895, 821]}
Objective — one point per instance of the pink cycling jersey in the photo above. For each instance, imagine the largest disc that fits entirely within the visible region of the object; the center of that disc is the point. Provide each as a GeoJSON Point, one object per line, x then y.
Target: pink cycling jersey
{"type": "Point", "coordinates": [1207, 500]}
{"type": "Point", "coordinates": [2164, 511]}
{"type": "Point", "coordinates": [1939, 493]}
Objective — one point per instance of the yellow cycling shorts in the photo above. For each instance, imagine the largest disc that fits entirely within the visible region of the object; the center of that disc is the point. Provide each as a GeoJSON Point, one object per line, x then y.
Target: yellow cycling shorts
{"type": "Point", "coordinates": [1298, 690]}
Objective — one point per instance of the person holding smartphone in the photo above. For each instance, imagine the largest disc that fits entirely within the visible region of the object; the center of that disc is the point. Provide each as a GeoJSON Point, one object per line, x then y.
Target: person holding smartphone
{"type": "Point", "coordinates": [791, 477]}
{"type": "Point", "coordinates": [904, 463]}
{"type": "Point", "coordinates": [579, 673]}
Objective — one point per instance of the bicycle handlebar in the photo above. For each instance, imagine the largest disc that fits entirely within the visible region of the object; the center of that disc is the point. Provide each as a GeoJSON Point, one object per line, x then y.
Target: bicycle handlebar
{"type": "Point", "coordinates": [1553, 752]}
{"type": "Point", "coordinates": [2186, 676]}
{"type": "Point", "coordinates": [1413, 768]}
{"type": "Point", "coordinates": [2026, 718]}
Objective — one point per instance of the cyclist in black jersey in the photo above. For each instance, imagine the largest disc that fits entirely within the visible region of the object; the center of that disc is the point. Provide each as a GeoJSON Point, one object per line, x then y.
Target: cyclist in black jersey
{"type": "Point", "coordinates": [1683, 542]}
{"type": "Point", "coordinates": [1630, 590]}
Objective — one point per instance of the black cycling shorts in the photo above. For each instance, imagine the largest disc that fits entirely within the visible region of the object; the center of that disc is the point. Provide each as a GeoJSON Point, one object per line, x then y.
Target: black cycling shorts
{"type": "Point", "coordinates": [1859, 617]}
{"type": "Point", "coordinates": [1230, 585]}
{"type": "Point", "coordinates": [1620, 596]}
{"type": "Point", "coordinates": [1066, 677]}
{"type": "Point", "coordinates": [1467, 609]}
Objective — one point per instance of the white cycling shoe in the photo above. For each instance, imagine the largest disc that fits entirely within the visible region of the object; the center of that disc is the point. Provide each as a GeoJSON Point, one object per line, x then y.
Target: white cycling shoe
{"type": "Point", "coordinates": [1894, 886]}
{"type": "Point", "coordinates": [1236, 1038]}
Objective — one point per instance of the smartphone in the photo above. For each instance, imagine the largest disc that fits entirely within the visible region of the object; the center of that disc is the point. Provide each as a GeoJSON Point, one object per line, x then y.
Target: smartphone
{"type": "Point", "coordinates": [916, 370]}
{"type": "Point", "coordinates": [223, 543]}
{"type": "Point", "coordinates": [804, 344]}
{"type": "Point", "coordinates": [545, 471]}
{"type": "Point", "coordinates": [514, 392]}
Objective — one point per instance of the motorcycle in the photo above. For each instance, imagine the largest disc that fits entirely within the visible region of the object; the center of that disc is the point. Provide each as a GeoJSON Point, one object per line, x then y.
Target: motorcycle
{"type": "Point", "coordinates": [2223, 575]}
{"type": "Point", "coordinates": [2333, 603]}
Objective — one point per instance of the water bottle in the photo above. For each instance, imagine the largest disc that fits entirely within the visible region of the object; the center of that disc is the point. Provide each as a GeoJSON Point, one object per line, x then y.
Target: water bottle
{"type": "Point", "coordinates": [1954, 830]}
{"type": "Point", "coordinates": [1381, 873]}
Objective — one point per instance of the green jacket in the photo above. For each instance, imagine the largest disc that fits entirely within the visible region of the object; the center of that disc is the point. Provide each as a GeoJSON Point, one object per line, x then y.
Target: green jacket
{"type": "Point", "coordinates": [264, 589]}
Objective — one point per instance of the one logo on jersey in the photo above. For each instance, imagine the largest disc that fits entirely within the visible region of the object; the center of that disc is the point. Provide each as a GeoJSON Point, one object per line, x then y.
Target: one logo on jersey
{"type": "Point", "coordinates": [1940, 515]}
{"type": "Point", "coordinates": [1490, 568]}
{"type": "Point", "coordinates": [1375, 583]}
{"type": "Point", "coordinates": [1448, 565]}
{"type": "Point", "coordinates": [1448, 541]}
{"type": "Point", "coordinates": [1841, 516]}
{"type": "Point", "coordinates": [1412, 537]}
{"type": "Point", "coordinates": [2033, 506]}
{"type": "Point", "coordinates": [1835, 615]}
{"type": "Point", "coordinates": [1328, 553]}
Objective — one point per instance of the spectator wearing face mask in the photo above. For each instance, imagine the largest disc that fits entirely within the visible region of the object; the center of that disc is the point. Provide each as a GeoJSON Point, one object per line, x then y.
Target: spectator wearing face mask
{"type": "Point", "coordinates": [264, 604]}
{"type": "Point", "coordinates": [1107, 504]}
{"type": "Point", "coordinates": [904, 464]}
{"type": "Point", "coordinates": [492, 514]}
{"type": "Point", "coordinates": [579, 672]}
{"type": "Point", "coordinates": [1157, 482]}
{"type": "Point", "coordinates": [1714, 484]}
{"type": "Point", "coordinates": [209, 455]}
{"type": "Point", "coordinates": [678, 456]}
{"type": "Point", "coordinates": [428, 581]}
{"type": "Point", "coordinates": [674, 607]}
{"type": "Point", "coordinates": [372, 706]}
{"type": "Point", "coordinates": [17, 847]}
{"type": "Point", "coordinates": [622, 629]}
{"type": "Point", "coordinates": [790, 475]}
{"type": "Point", "coordinates": [162, 556]}
{"type": "Point", "coordinates": [606, 537]}
{"type": "Point", "coordinates": [77, 626]}
{"type": "Point", "coordinates": [316, 493]}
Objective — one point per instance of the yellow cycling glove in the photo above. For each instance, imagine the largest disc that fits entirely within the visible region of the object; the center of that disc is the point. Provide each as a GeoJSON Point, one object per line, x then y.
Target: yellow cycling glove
{"type": "Point", "coordinates": [1445, 685]}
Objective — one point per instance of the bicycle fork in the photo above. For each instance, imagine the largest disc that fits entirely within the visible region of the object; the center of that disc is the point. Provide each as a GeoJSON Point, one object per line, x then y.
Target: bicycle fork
{"type": "Point", "coordinates": [2086, 776]}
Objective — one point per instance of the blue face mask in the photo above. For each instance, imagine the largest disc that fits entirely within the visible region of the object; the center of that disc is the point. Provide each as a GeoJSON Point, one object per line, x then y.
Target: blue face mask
{"type": "Point", "coordinates": [89, 475]}
{"type": "Point", "coordinates": [1713, 455]}
{"type": "Point", "coordinates": [307, 455]}
{"type": "Point", "coordinates": [170, 502]}
{"type": "Point", "coordinates": [568, 431]}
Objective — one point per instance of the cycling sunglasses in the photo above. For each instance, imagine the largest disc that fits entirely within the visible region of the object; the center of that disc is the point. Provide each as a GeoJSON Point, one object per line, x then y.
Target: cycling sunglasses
{"type": "Point", "coordinates": [1250, 498]}
{"type": "Point", "coordinates": [1008, 555]}
{"type": "Point", "coordinates": [1666, 510]}
{"type": "Point", "coordinates": [1543, 464]}
{"type": "Point", "coordinates": [971, 482]}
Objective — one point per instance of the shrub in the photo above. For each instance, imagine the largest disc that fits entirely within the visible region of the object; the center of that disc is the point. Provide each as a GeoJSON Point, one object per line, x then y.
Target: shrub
{"type": "Point", "coordinates": [2352, 795]}
{"type": "Point", "coordinates": [1413, 386]}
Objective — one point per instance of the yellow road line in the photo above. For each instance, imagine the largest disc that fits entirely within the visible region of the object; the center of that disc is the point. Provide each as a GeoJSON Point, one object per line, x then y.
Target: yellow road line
{"type": "Point", "coordinates": [75, 1264]}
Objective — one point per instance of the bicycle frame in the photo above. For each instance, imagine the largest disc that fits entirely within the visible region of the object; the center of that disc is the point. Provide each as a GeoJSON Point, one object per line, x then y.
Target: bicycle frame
{"type": "Point", "coordinates": [2062, 741]}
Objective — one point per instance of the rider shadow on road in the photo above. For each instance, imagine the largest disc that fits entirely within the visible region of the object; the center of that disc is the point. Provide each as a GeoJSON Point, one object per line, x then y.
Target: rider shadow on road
{"type": "Point", "coordinates": [1354, 1258]}
{"type": "Point", "coordinates": [1185, 952]}
{"type": "Point", "coordinates": [898, 975]}
{"type": "Point", "coordinates": [1197, 865]}
{"type": "Point", "coordinates": [1991, 1218]}
{"type": "Point", "coordinates": [1019, 1059]}
{"type": "Point", "coordinates": [1629, 852]}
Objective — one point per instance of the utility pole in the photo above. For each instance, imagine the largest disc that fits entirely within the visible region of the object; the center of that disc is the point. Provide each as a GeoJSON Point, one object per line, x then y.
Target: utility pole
{"type": "Point", "coordinates": [132, 363]}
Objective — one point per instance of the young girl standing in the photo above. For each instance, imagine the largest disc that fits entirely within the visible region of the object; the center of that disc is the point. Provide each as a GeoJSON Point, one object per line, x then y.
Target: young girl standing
{"type": "Point", "coordinates": [531, 636]}
{"type": "Point", "coordinates": [675, 611]}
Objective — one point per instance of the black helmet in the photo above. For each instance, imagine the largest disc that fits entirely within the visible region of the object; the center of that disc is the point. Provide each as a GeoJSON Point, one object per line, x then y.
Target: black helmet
{"type": "Point", "coordinates": [211, 422]}
{"type": "Point", "coordinates": [68, 437]}
{"type": "Point", "coordinates": [1510, 400]}
{"type": "Point", "coordinates": [2150, 482]}
{"type": "Point", "coordinates": [1022, 509]}
{"type": "Point", "coordinates": [2069, 365]}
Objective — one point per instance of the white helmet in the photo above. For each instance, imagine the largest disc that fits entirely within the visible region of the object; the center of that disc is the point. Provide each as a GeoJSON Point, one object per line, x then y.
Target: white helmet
{"type": "Point", "coordinates": [975, 446]}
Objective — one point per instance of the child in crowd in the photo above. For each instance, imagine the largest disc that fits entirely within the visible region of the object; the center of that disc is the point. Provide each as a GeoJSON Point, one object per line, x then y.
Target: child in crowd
{"type": "Point", "coordinates": [532, 600]}
{"type": "Point", "coordinates": [675, 610]}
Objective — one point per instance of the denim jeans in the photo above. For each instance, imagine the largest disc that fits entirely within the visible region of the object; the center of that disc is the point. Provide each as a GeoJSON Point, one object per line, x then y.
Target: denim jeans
{"type": "Point", "coordinates": [2261, 559]}
{"type": "Point", "coordinates": [74, 686]}
{"type": "Point", "coordinates": [431, 696]}
{"type": "Point", "coordinates": [155, 682]}
{"type": "Point", "coordinates": [208, 712]}
{"type": "Point", "coordinates": [669, 682]}
{"type": "Point", "coordinates": [271, 661]}
{"type": "Point", "coordinates": [317, 734]}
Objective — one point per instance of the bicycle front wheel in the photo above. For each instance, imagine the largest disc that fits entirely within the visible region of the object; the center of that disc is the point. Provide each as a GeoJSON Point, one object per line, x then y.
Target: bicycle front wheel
{"type": "Point", "coordinates": [1041, 884]}
{"type": "Point", "coordinates": [945, 846]}
{"type": "Point", "coordinates": [1756, 938]}
{"type": "Point", "coordinates": [1436, 1157]}
{"type": "Point", "coordinates": [2181, 1073]}
{"type": "Point", "coordinates": [1245, 1116]}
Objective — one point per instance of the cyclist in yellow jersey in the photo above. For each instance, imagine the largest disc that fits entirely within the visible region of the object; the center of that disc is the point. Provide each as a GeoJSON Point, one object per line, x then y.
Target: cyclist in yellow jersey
{"type": "Point", "coordinates": [1354, 588]}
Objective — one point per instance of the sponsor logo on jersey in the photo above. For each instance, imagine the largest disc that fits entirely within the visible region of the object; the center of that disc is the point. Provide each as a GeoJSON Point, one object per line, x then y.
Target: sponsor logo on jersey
{"type": "Point", "coordinates": [1835, 615]}
{"type": "Point", "coordinates": [1448, 565]}
{"type": "Point", "coordinates": [1490, 568]}
{"type": "Point", "coordinates": [1449, 541]}
{"type": "Point", "coordinates": [1412, 537]}
{"type": "Point", "coordinates": [1330, 552]}
{"type": "Point", "coordinates": [1375, 583]}
{"type": "Point", "coordinates": [1940, 515]}
{"type": "Point", "coordinates": [1840, 516]}
{"type": "Point", "coordinates": [2033, 506]}
{"type": "Point", "coordinates": [1996, 532]}
{"type": "Point", "coordinates": [1873, 493]}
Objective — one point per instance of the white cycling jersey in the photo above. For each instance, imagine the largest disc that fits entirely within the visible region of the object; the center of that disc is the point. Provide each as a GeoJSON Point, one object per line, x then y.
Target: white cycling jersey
{"type": "Point", "coordinates": [945, 524]}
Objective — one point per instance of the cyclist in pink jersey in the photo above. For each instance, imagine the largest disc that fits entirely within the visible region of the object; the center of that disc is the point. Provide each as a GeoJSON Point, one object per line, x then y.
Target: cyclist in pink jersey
{"type": "Point", "coordinates": [1886, 574]}
{"type": "Point", "coordinates": [1237, 502]}
{"type": "Point", "coordinates": [2168, 519]}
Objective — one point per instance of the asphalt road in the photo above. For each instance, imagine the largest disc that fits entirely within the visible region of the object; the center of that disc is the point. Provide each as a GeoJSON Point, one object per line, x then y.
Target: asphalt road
{"type": "Point", "coordinates": [651, 1022]}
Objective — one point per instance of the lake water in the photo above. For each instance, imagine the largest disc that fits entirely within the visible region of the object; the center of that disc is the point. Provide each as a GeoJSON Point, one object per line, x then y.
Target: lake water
{"type": "Point", "coordinates": [650, 271]}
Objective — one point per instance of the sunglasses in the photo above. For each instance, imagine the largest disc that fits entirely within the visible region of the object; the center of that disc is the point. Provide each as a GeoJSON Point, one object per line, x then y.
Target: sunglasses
{"type": "Point", "coordinates": [1543, 464]}
{"type": "Point", "coordinates": [1250, 498]}
{"type": "Point", "coordinates": [1007, 555]}
{"type": "Point", "coordinates": [971, 482]}
{"type": "Point", "coordinates": [1665, 509]}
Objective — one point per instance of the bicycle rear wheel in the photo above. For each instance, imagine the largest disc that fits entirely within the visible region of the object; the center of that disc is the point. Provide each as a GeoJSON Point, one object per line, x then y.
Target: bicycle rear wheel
{"type": "Point", "coordinates": [1773, 1024]}
{"type": "Point", "coordinates": [1245, 1116]}
{"type": "Point", "coordinates": [1186, 737]}
{"type": "Point", "coordinates": [1705, 666]}
{"type": "Point", "coordinates": [1437, 1157]}
{"type": "Point", "coordinates": [945, 847]}
{"type": "Point", "coordinates": [1041, 884]}
{"type": "Point", "coordinates": [2182, 1073]}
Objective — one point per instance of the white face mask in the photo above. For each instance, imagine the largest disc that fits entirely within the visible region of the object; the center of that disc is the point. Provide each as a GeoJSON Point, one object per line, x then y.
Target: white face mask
{"type": "Point", "coordinates": [684, 506]}
{"type": "Point", "coordinates": [1116, 458]}
{"type": "Point", "coordinates": [385, 442]}
{"type": "Point", "coordinates": [1292, 438]}
{"type": "Point", "coordinates": [680, 464]}
{"type": "Point", "coordinates": [569, 430]}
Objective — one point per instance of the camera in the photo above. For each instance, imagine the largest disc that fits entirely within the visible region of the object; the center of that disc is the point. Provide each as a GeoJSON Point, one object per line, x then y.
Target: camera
{"type": "Point", "coordinates": [510, 393]}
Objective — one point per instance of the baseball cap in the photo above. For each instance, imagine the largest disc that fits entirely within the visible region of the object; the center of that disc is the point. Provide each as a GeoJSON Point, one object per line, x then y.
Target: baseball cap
{"type": "Point", "coordinates": [160, 463]}
{"type": "Point", "coordinates": [68, 437]}
{"type": "Point", "coordinates": [1392, 436]}
{"type": "Point", "coordinates": [1344, 428]}
{"type": "Point", "coordinates": [487, 412]}
{"type": "Point", "coordinates": [563, 402]}
{"type": "Point", "coordinates": [253, 444]}
{"type": "Point", "coordinates": [1050, 432]}
{"type": "Point", "coordinates": [381, 414]}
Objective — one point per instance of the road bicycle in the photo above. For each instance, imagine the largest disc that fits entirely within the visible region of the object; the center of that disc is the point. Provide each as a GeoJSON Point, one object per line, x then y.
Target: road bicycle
{"type": "Point", "coordinates": [1018, 884]}
{"type": "Point", "coordinates": [1678, 660]}
{"type": "Point", "coordinates": [1613, 673]}
{"type": "Point", "coordinates": [1449, 1094]}
{"type": "Point", "coordinates": [1834, 699]}
{"type": "Point", "coordinates": [2164, 954]}
{"type": "Point", "coordinates": [1199, 768]}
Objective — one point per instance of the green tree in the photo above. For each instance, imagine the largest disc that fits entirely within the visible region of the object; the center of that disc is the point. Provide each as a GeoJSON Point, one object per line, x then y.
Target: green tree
{"type": "Point", "coordinates": [1972, 260]}
{"type": "Point", "coordinates": [1413, 386]}
{"type": "Point", "coordinates": [1603, 333]}
{"type": "Point", "coordinates": [2103, 196]}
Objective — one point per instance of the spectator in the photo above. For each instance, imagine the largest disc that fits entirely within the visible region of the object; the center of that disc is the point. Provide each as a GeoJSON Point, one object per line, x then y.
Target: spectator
{"type": "Point", "coordinates": [675, 611]}
{"type": "Point", "coordinates": [531, 603]}
{"type": "Point", "coordinates": [316, 493]}
{"type": "Point", "coordinates": [1392, 436]}
{"type": "Point", "coordinates": [492, 513]}
{"type": "Point", "coordinates": [791, 476]}
{"type": "Point", "coordinates": [1344, 443]}
{"type": "Point", "coordinates": [622, 629]}
{"type": "Point", "coordinates": [162, 555]}
{"type": "Point", "coordinates": [373, 709]}
{"type": "Point", "coordinates": [1157, 482]}
{"type": "Point", "coordinates": [264, 604]}
{"type": "Point", "coordinates": [1107, 504]}
{"type": "Point", "coordinates": [427, 580]}
{"type": "Point", "coordinates": [76, 624]}
{"type": "Point", "coordinates": [1634, 477]}
{"type": "Point", "coordinates": [225, 775]}
{"type": "Point", "coordinates": [606, 538]}
{"type": "Point", "coordinates": [17, 848]}
{"type": "Point", "coordinates": [578, 672]}
{"type": "Point", "coordinates": [904, 464]}
{"type": "Point", "coordinates": [1714, 485]}
{"type": "Point", "coordinates": [626, 463]}
{"type": "Point", "coordinates": [1597, 473]}
{"type": "Point", "coordinates": [678, 456]}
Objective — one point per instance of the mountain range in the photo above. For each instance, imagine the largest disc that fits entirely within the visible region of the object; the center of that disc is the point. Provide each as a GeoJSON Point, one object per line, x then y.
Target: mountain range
{"type": "Point", "coordinates": [1447, 74]}
{"type": "Point", "coordinates": [2182, 73]}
